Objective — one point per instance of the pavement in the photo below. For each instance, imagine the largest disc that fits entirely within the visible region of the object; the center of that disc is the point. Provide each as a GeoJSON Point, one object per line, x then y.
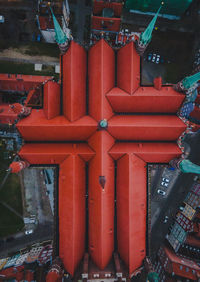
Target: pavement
{"type": "Point", "coordinates": [36, 202]}
{"type": "Point", "coordinates": [158, 200]}
{"type": "Point", "coordinates": [81, 10]}
{"type": "Point", "coordinates": [150, 71]}
{"type": "Point", "coordinates": [36, 197]}
{"type": "Point", "coordinates": [42, 233]}
{"type": "Point", "coordinates": [168, 208]}
{"type": "Point", "coordinates": [168, 205]}
{"type": "Point", "coordinates": [140, 21]}
{"type": "Point", "coordinates": [50, 186]}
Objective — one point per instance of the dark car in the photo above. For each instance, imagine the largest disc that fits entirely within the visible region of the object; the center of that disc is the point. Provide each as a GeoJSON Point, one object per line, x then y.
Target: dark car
{"type": "Point", "coordinates": [155, 58]}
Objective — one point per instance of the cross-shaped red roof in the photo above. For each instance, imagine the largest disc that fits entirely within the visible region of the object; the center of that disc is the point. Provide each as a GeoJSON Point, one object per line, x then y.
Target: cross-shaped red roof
{"type": "Point", "coordinates": [143, 116]}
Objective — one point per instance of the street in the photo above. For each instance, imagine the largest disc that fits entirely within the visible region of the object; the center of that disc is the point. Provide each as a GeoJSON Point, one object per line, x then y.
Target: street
{"type": "Point", "coordinates": [42, 233]}
{"type": "Point", "coordinates": [168, 205]}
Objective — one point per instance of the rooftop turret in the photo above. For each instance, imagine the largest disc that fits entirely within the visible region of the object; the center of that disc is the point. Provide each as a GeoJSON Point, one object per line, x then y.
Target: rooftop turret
{"type": "Point", "coordinates": [189, 81]}
{"type": "Point", "coordinates": [145, 37]}
{"type": "Point", "coordinates": [60, 37]}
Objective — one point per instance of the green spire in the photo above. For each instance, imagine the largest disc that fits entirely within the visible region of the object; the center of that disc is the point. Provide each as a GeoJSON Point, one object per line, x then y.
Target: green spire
{"type": "Point", "coordinates": [60, 36]}
{"type": "Point", "coordinates": [187, 166]}
{"type": "Point", "coordinates": [145, 36]}
{"type": "Point", "coordinates": [189, 81]}
{"type": "Point", "coordinates": [152, 277]}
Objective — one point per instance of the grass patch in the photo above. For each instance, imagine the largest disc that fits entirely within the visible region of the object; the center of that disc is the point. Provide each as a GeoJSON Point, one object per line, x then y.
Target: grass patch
{"type": "Point", "coordinates": [23, 68]}
{"type": "Point", "coordinates": [10, 194]}
{"type": "Point", "coordinates": [32, 48]}
{"type": "Point", "coordinates": [5, 44]}
{"type": "Point", "coordinates": [42, 49]}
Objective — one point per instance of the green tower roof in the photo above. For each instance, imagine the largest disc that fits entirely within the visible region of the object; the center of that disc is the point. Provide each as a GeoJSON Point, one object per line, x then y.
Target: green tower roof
{"type": "Point", "coordinates": [60, 36]}
{"type": "Point", "coordinates": [189, 81]}
{"type": "Point", "coordinates": [145, 36]}
{"type": "Point", "coordinates": [152, 277]}
{"type": "Point", "coordinates": [186, 166]}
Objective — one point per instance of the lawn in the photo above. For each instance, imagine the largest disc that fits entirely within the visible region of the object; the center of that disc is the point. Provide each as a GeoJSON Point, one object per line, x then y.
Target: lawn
{"type": "Point", "coordinates": [32, 48]}
{"type": "Point", "coordinates": [11, 195]}
{"type": "Point", "coordinates": [23, 68]}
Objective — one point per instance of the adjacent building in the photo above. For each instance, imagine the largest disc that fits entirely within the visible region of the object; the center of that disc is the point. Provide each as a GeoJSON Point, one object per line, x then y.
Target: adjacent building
{"type": "Point", "coordinates": [106, 18]}
{"type": "Point", "coordinates": [173, 9]}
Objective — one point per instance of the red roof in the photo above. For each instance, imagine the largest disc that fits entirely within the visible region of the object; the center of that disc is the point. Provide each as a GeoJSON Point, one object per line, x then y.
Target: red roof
{"type": "Point", "coordinates": [7, 116]}
{"type": "Point", "coordinates": [21, 82]}
{"type": "Point", "coordinates": [98, 6]}
{"type": "Point", "coordinates": [66, 120]}
{"type": "Point", "coordinates": [180, 260]}
{"type": "Point", "coordinates": [191, 240]}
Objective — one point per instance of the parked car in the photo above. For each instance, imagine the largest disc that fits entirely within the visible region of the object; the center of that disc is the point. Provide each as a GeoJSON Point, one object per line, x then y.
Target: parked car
{"type": "Point", "coordinates": [27, 232]}
{"type": "Point", "coordinates": [165, 219]}
{"type": "Point", "coordinates": [171, 168]}
{"type": "Point", "coordinates": [155, 58]}
{"type": "Point", "coordinates": [165, 182]}
{"type": "Point", "coordinates": [165, 179]}
{"type": "Point", "coordinates": [149, 57]}
{"type": "Point", "coordinates": [2, 19]}
{"type": "Point", "coordinates": [161, 192]}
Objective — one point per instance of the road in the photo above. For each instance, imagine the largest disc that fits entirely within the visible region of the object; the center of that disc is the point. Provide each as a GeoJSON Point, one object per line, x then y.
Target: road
{"type": "Point", "coordinates": [81, 11]}
{"type": "Point", "coordinates": [150, 71]}
{"type": "Point", "coordinates": [158, 200]}
{"type": "Point", "coordinates": [170, 203]}
{"type": "Point", "coordinates": [169, 207]}
{"type": "Point", "coordinates": [36, 201]}
{"type": "Point", "coordinates": [42, 233]}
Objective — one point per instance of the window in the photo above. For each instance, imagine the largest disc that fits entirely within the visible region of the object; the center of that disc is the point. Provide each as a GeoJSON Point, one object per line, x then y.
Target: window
{"type": "Point", "coordinates": [193, 271]}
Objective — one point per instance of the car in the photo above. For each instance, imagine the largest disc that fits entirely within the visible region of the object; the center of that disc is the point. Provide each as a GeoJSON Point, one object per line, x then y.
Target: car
{"type": "Point", "coordinates": [161, 192]}
{"type": "Point", "coordinates": [2, 19]}
{"type": "Point", "coordinates": [165, 179]}
{"type": "Point", "coordinates": [157, 59]}
{"type": "Point", "coordinates": [165, 184]}
{"type": "Point", "coordinates": [171, 168]}
{"type": "Point", "coordinates": [149, 57]}
{"type": "Point", "coordinates": [153, 58]}
{"type": "Point", "coordinates": [165, 219]}
{"type": "Point", "coordinates": [27, 232]}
